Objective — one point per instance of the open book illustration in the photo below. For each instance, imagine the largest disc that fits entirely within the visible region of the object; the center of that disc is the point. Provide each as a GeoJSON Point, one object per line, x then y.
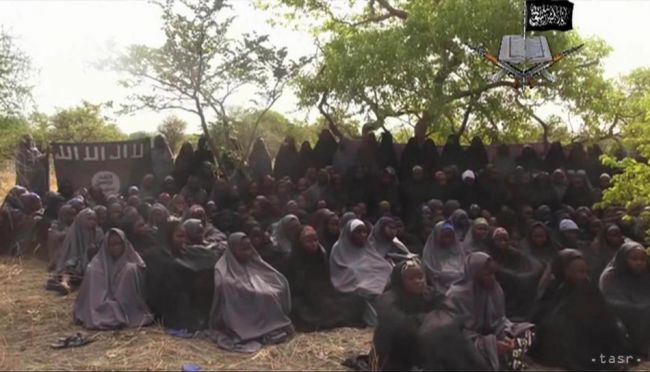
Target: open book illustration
{"type": "Point", "coordinates": [516, 49]}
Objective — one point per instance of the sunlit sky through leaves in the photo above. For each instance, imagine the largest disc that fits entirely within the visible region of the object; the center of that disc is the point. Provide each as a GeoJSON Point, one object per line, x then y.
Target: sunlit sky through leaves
{"type": "Point", "coordinates": [66, 40]}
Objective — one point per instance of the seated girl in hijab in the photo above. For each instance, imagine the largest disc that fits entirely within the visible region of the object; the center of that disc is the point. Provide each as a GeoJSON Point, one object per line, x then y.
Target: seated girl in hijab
{"type": "Point", "coordinates": [251, 303]}
{"type": "Point", "coordinates": [111, 294]}
{"type": "Point", "coordinates": [399, 340]}
{"type": "Point", "coordinates": [625, 284]}
{"type": "Point", "coordinates": [80, 244]}
{"type": "Point", "coordinates": [383, 238]}
{"type": "Point", "coordinates": [211, 234]}
{"type": "Point", "coordinates": [316, 305]}
{"type": "Point", "coordinates": [327, 227]}
{"type": "Point", "coordinates": [179, 280]}
{"type": "Point", "coordinates": [356, 267]}
{"type": "Point", "coordinates": [603, 248]}
{"type": "Point", "coordinates": [56, 234]}
{"type": "Point", "coordinates": [443, 257]}
{"type": "Point", "coordinates": [477, 236]}
{"type": "Point", "coordinates": [518, 274]}
{"type": "Point", "coordinates": [574, 324]}
{"type": "Point", "coordinates": [478, 298]}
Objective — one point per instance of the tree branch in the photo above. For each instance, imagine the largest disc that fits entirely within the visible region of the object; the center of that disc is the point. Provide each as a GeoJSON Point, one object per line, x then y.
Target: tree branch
{"type": "Point", "coordinates": [468, 111]}
{"type": "Point", "coordinates": [479, 90]}
{"type": "Point", "coordinates": [391, 10]}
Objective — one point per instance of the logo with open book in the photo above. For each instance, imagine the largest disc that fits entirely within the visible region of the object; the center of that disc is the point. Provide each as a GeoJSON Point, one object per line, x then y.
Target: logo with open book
{"type": "Point", "coordinates": [527, 59]}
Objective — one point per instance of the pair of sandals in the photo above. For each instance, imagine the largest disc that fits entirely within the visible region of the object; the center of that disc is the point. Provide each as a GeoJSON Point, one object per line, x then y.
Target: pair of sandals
{"type": "Point", "coordinates": [71, 341]}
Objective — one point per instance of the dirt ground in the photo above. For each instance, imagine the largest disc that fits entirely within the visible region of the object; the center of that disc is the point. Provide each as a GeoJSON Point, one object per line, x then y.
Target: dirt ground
{"type": "Point", "coordinates": [32, 318]}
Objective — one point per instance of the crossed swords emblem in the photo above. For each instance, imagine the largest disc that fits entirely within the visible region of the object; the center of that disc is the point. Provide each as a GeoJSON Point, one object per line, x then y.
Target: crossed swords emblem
{"type": "Point", "coordinates": [525, 76]}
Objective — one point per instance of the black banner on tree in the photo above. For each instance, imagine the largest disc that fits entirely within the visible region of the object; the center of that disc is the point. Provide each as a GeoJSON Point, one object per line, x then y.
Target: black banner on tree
{"type": "Point", "coordinates": [111, 166]}
{"type": "Point", "coordinates": [544, 15]}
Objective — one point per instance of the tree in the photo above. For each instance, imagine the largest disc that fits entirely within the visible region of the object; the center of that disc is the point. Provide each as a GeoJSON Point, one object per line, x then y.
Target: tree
{"type": "Point", "coordinates": [199, 67]}
{"type": "Point", "coordinates": [15, 69]}
{"type": "Point", "coordinates": [631, 187]}
{"type": "Point", "coordinates": [84, 123]}
{"type": "Point", "coordinates": [12, 128]}
{"type": "Point", "coordinates": [409, 59]}
{"type": "Point", "coordinates": [139, 135]}
{"type": "Point", "coordinates": [173, 128]}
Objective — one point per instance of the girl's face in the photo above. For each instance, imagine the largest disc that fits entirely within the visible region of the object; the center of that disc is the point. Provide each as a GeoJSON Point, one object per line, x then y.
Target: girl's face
{"type": "Point", "coordinates": [102, 216]}
{"type": "Point", "coordinates": [115, 212]}
{"type": "Point", "coordinates": [115, 246]}
{"type": "Point", "coordinates": [157, 217]}
{"type": "Point", "coordinates": [91, 221]}
{"type": "Point", "coordinates": [538, 236]}
{"type": "Point", "coordinates": [464, 221]}
{"type": "Point", "coordinates": [309, 241]}
{"type": "Point", "coordinates": [637, 261]}
{"type": "Point", "coordinates": [244, 251]}
{"type": "Point", "coordinates": [179, 238]}
{"type": "Point", "coordinates": [140, 227]}
{"type": "Point", "coordinates": [615, 237]}
{"type": "Point", "coordinates": [389, 231]}
{"type": "Point", "coordinates": [595, 226]}
{"type": "Point", "coordinates": [256, 237]}
{"type": "Point", "coordinates": [571, 236]}
{"type": "Point", "coordinates": [447, 238]}
{"type": "Point", "coordinates": [481, 232]}
{"type": "Point", "coordinates": [359, 236]}
{"type": "Point", "coordinates": [577, 272]}
{"type": "Point", "coordinates": [486, 276]}
{"type": "Point", "coordinates": [414, 281]}
{"type": "Point", "coordinates": [501, 241]}
{"type": "Point", "coordinates": [333, 225]}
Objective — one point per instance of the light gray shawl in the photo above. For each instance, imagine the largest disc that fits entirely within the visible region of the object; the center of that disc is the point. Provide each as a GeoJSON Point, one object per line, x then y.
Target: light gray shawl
{"type": "Point", "coordinates": [111, 294]}
{"type": "Point", "coordinates": [279, 238]}
{"type": "Point", "coordinates": [361, 270]}
{"type": "Point", "coordinates": [78, 241]}
{"type": "Point", "coordinates": [378, 241]}
{"type": "Point", "coordinates": [443, 266]}
{"type": "Point", "coordinates": [251, 304]}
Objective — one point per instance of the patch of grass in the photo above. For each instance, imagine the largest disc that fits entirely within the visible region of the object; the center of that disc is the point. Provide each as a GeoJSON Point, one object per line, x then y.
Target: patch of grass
{"type": "Point", "coordinates": [32, 318]}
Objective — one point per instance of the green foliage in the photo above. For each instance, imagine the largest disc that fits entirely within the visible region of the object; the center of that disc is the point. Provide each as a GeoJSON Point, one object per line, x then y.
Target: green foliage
{"type": "Point", "coordinates": [84, 123]}
{"type": "Point", "coordinates": [273, 127]}
{"type": "Point", "coordinates": [405, 58]}
{"type": "Point", "coordinates": [139, 135]}
{"type": "Point", "coordinates": [15, 69]}
{"type": "Point", "coordinates": [173, 128]}
{"type": "Point", "coordinates": [12, 128]}
{"type": "Point", "coordinates": [200, 66]}
{"type": "Point", "coordinates": [632, 186]}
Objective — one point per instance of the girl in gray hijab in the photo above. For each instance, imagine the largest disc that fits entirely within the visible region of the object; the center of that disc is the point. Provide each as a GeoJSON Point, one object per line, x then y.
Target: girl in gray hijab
{"type": "Point", "coordinates": [477, 236]}
{"type": "Point", "coordinates": [478, 298]}
{"type": "Point", "coordinates": [443, 257]}
{"type": "Point", "coordinates": [111, 294]}
{"type": "Point", "coordinates": [81, 242]}
{"type": "Point", "coordinates": [284, 231]}
{"type": "Point", "coordinates": [251, 303]}
{"type": "Point", "coordinates": [383, 238]}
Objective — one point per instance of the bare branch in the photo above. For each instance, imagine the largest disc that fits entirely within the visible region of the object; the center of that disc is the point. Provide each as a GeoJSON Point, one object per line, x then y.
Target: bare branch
{"type": "Point", "coordinates": [393, 11]}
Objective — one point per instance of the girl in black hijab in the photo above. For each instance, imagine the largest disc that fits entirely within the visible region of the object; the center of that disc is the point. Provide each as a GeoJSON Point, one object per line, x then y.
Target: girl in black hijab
{"type": "Point", "coordinates": [286, 160]}
{"type": "Point", "coordinates": [575, 327]}
{"type": "Point", "coordinates": [477, 156]}
{"type": "Point", "coordinates": [323, 151]}
{"type": "Point", "coordinates": [408, 312]}
{"type": "Point", "coordinates": [386, 156]}
{"type": "Point", "coordinates": [625, 284]}
{"type": "Point", "coordinates": [452, 153]}
{"type": "Point", "coordinates": [577, 158]}
{"type": "Point", "coordinates": [529, 159]}
{"type": "Point", "coordinates": [183, 164]}
{"type": "Point", "coordinates": [305, 158]}
{"type": "Point", "coordinates": [259, 160]}
{"type": "Point", "coordinates": [202, 154]}
{"type": "Point", "coordinates": [315, 304]}
{"type": "Point", "coordinates": [555, 158]}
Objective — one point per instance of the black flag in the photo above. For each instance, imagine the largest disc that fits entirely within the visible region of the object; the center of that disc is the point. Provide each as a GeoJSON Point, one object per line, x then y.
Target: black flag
{"type": "Point", "coordinates": [544, 15]}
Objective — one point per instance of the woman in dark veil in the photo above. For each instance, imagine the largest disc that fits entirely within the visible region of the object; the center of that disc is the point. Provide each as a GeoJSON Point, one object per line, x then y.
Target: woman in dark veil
{"type": "Point", "coordinates": [518, 275]}
{"type": "Point", "coordinates": [574, 324]}
{"type": "Point", "coordinates": [477, 156]}
{"type": "Point", "coordinates": [324, 150]}
{"type": "Point", "coordinates": [419, 150]}
{"type": "Point", "coordinates": [259, 160]}
{"type": "Point", "coordinates": [183, 164]}
{"type": "Point", "coordinates": [316, 305]}
{"type": "Point", "coordinates": [305, 158]}
{"type": "Point", "coordinates": [386, 156]}
{"type": "Point", "coordinates": [555, 158]}
{"type": "Point", "coordinates": [529, 159]}
{"type": "Point", "coordinates": [417, 328]}
{"type": "Point", "coordinates": [286, 160]}
{"type": "Point", "coordinates": [625, 284]}
{"type": "Point", "coordinates": [202, 154]}
{"type": "Point", "coordinates": [577, 158]}
{"type": "Point", "coordinates": [452, 153]}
